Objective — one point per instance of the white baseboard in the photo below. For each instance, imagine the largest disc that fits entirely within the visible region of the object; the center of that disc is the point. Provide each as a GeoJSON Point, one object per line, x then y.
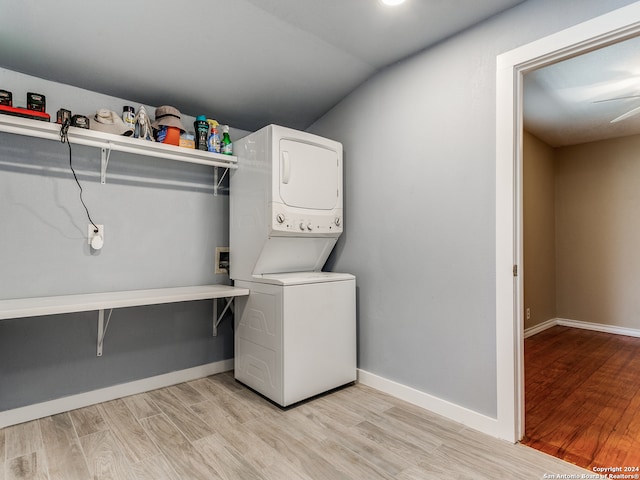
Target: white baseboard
{"type": "Point", "coordinates": [597, 327]}
{"type": "Point", "coordinates": [541, 327]}
{"type": "Point", "coordinates": [454, 412]}
{"type": "Point", "coordinates": [72, 402]}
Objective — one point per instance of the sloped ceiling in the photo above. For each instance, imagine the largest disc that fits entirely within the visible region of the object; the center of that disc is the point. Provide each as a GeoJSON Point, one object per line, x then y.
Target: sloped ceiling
{"type": "Point", "coordinates": [245, 62]}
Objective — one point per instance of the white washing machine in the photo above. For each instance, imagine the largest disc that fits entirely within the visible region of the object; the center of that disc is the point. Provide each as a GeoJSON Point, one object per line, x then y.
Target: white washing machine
{"type": "Point", "coordinates": [295, 332]}
{"type": "Point", "coordinates": [295, 336]}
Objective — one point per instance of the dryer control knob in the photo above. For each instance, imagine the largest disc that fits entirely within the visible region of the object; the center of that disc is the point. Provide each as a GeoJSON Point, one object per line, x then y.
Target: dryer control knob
{"type": "Point", "coordinates": [338, 221]}
{"type": "Point", "coordinates": [301, 226]}
{"type": "Point", "coordinates": [280, 218]}
{"type": "Point", "coordinates": [309, 227]}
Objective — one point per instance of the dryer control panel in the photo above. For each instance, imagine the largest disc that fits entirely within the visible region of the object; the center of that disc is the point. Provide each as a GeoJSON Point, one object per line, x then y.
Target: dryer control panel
{"type": "Point", "coordinates": [307, 224]}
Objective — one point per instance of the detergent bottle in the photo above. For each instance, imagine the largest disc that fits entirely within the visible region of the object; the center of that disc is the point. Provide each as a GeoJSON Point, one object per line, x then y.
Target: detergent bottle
{"type": "Point", "coordinates": [201, 132]}
{"type": "Point", "coordinates": [213, 142]}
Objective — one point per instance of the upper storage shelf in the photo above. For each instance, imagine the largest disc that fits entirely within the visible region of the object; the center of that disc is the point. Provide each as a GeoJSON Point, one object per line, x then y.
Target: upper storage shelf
{"type": "Point", "coordinates": [108, 142]}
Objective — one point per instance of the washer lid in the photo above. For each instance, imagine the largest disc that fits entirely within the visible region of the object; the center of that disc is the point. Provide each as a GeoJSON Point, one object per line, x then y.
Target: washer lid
{"type": "Point", "coordinates": [301, 278]}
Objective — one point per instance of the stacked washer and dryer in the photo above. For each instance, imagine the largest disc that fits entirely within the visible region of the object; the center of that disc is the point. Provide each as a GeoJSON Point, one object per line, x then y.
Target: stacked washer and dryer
{"type": "Point", "coordinates": [295, 334]}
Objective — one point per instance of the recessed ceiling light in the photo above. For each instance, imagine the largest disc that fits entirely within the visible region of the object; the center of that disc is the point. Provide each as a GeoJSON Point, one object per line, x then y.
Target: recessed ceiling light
{"type": "Point", "coordinates": [392, 3]}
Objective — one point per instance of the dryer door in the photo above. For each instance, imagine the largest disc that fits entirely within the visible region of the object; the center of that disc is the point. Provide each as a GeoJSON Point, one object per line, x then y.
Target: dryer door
{"type": "Point", "coordinates": [310, 175]}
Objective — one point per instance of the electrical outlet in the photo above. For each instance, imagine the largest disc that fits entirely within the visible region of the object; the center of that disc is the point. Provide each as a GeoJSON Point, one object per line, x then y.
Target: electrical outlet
{"type": "Point", "coordinates": [528, 313]}
{"type": "Point", "coordinates": [222, 260]}
{"type": "Point", "coordinates": [95, 239]}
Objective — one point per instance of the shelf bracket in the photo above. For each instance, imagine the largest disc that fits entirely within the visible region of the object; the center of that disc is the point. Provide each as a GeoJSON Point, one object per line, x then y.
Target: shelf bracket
{"type": "Point", "coordinates": [102, 329]}
{"type": "Point", "coordinates": [105, 153]}
{"type": "Point", "coordinates": [217, 179]}
{"type": "Point", "coordinates": [218, 318]}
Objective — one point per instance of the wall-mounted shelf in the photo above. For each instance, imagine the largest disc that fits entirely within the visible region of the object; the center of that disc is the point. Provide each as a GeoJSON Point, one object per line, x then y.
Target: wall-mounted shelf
{"type": "Point", "coordinates": [107, 143]}
{"type": "Point", "coordinates": [37, 306]}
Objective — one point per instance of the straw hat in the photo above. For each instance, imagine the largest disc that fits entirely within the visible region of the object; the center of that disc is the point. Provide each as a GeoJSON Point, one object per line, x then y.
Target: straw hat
{"type": "Point", "coordinates": [110, 122]}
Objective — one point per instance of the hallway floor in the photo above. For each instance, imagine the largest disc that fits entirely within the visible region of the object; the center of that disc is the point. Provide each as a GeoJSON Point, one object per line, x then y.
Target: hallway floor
{"type": "Point", "coordinates": [582, 394]}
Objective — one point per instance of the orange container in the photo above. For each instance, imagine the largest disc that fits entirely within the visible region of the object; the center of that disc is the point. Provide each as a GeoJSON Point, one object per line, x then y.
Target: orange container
{"type": "Point", "coordinates": [173, 136]}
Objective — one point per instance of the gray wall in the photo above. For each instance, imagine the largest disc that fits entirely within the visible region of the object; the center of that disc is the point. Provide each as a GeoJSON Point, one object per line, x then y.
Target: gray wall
{"type": "Point", "coordinates": [162, 224]}
{"type": "Point", "coordinates": [419, 142]}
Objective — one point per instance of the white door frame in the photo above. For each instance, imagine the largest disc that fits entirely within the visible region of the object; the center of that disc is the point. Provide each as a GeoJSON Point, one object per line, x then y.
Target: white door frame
{"type": "Point", "coordinates": [511, 66]}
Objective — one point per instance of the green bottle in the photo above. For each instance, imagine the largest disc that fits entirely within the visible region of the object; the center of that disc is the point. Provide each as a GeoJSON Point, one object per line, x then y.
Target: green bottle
{"type": "Point", "coordinates": [227, 146]}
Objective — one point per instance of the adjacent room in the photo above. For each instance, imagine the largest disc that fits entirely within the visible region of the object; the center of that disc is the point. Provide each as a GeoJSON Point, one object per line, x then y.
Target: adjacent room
{"type": "Point", "coordinates": [580, 173]}
{"type": "Point", "coordinates": [145, 262]}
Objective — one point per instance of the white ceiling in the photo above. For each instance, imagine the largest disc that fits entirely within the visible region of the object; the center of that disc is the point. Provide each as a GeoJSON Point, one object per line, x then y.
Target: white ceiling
{"type": "Point", "coordinates": [244, 62]}
{"type": "Point", "coordinates": [563, 102]}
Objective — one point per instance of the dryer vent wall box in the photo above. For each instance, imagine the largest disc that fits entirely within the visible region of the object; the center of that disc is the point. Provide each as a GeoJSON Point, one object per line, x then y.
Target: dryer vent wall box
{"type": "Point", "coordinates": [295, 334]}
{"type": "Point", "coordinates": [222, 260]}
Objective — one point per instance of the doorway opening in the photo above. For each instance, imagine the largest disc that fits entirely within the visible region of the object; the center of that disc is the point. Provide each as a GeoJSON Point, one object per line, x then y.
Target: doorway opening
{"type": "Point", "coordinates": [605, 30]}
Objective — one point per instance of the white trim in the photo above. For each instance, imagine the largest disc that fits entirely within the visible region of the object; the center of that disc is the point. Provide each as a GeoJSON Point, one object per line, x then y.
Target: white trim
{"type": "Point", "coordinates": [424, 400]}
{"type": "Point", "coordinates": [541, 327]}
{"type": "Point", "coordinates": [511, 66]}
{"type": "Point", "coordinates": [596, 327]}
{"type": "Point", "coordinates": [65, 404]}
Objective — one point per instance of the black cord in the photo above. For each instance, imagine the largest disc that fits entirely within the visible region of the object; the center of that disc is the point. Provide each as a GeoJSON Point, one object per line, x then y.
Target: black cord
{"type": "Point", "coordinates": [64, 138]}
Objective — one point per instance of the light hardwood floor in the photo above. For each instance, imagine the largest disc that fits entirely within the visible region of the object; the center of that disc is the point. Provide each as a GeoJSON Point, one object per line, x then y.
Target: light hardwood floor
{"type": "Point", "coordinates": [214, 428]}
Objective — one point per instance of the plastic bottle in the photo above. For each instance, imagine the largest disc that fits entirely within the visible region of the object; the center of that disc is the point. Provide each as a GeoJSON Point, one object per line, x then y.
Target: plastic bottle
{"type": "Point", "coordinates": [227, 146]}
{"type": "Point", "coordinates": [129, 116]}
{"type": "Point", "coordinates": [161, 134]}
{"type": "Point", "coordinates": [213, 142]}
{"type": "Point", "coordinates": [201, 132]}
